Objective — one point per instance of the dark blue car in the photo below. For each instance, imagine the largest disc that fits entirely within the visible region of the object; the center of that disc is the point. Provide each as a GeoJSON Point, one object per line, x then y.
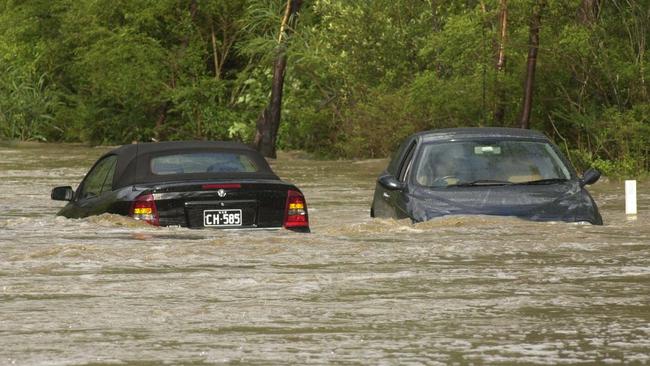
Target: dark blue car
{"type": "Point", "coordinates": [483, 171]}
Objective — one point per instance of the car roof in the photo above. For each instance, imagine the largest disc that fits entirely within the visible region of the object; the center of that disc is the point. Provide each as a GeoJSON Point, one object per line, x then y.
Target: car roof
{"type": "Point", "coordinates": [479, 132]}
{"type": "Point", "coordinates": [133, 161]}
{"type": "Point", "coordinates": [155, 147]}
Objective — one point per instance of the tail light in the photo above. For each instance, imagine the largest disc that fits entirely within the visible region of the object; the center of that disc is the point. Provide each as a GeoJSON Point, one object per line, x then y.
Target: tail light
{"type": "Point", "coordinates": [296, 211]}
{"type": "Point", "coordinates": [144, 208]}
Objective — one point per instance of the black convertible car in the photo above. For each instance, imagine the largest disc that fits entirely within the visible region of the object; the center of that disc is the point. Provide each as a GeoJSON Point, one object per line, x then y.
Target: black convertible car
{"type": "Point", "coordinates": [483, 171]}
{"type": "Point", "coordinates": [190, 184]}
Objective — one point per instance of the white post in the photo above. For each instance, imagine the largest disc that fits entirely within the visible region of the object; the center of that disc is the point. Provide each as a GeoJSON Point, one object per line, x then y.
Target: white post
{"type": "Point", "coordinates": [630, 197]}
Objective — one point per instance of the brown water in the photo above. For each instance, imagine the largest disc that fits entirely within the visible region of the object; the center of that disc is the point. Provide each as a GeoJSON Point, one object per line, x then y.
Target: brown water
{"type": "Point", "coordinates": [464, 290]}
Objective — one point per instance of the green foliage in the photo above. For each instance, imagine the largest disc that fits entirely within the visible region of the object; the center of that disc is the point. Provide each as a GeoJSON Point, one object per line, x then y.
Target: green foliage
{"type": "Point", "coordinates": [25, 106]}
{"type": "Point", "coordinates": [617, 142]}
{"type": "Point", "coordinates": [361, 75]}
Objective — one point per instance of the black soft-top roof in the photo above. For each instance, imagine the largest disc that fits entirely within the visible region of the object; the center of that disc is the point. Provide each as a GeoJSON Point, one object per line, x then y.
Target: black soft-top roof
{"type": "Point", "coordinates": [133, 162]}
{"type": "Point", "coordinates": [480, 132]}
{"type": "Point", "coordinates": [174, 146]}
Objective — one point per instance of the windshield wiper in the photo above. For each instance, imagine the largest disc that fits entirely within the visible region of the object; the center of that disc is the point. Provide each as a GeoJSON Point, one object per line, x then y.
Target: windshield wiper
{"type": "Point", "coordinates": [481, 182]}
{"type": "Point", "coordinates": [544, 181]}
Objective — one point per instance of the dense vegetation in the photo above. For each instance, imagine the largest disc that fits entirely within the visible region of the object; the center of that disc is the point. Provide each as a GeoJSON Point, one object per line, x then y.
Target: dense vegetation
{"type": "Point", "coordinates": [361, 74]}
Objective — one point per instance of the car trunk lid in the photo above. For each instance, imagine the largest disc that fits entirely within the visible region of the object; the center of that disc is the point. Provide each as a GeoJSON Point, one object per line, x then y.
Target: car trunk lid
{"type": "Point", "coordinates": [222, 204]}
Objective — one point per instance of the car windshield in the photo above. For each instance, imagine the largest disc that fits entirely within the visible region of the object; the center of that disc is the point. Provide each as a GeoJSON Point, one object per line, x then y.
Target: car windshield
{"type": "Point", "coordinates": [202, 162]}
{"type": "Point", "coordinates": [504, 162]}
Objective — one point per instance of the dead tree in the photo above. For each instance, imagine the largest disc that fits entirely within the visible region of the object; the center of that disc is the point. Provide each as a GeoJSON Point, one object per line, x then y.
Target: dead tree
{"type": "Point", "coordinates": [500, 110]}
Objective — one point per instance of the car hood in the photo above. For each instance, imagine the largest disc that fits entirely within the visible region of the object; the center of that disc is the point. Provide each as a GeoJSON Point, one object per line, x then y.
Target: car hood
{"type": "Point", "coordinates": [556, 202]}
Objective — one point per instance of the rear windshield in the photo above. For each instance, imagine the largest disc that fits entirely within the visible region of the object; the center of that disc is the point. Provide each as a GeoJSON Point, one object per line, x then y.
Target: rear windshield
{"type": "Point", "coordinates": [203, 162]}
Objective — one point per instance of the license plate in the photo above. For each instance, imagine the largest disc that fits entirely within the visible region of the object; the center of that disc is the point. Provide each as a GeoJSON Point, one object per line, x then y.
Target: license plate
{"type": "Point", "coordinates": [222, 218]}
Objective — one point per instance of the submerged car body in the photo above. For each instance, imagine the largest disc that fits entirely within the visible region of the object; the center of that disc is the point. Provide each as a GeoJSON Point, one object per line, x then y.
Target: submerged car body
{"type": "Point", "coordinates": [192, 184]}
{"type": "Point", "coordinates": [483, 171]}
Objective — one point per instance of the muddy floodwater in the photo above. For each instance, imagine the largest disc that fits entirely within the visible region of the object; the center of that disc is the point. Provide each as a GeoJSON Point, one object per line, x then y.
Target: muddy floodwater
{"type": "Point", "coordinates": [357, 291]}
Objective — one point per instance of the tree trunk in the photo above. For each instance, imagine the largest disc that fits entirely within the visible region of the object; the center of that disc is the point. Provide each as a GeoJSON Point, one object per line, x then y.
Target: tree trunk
{"type": "Point", "coordinates": [500, 110]}
{"type": "Point", "coordinates": [527, 104]}
{"type": "Point", "coordinates": [215, 55]}
{"type": "Point", "coordinates": [268, 122]}
{"type": "Point", "coordinates": [588, 11]}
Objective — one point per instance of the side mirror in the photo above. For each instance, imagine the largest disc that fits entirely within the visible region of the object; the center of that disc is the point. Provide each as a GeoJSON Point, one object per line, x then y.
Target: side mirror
{"type": "Point", "coordinates": [389, 182]}
{"type": "Point", "coordinates": [62, 193]}
{"type": "Point", "coordinates": [591, 176]}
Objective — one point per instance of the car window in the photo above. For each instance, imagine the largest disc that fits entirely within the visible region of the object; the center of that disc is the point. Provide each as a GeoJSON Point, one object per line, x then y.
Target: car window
{"type": "Point", "coordinates": [108, 181]}
{"type": "Point", "coordinates": [395, 161]}
{"type": "Point", "coordinates": [202, 162]}
{"type": "Point", "coordinates": [442, 164]}
{"type": "Point", "coordinates": [99, 179]}
{"type": "Point", "coordinates": [406, 162]}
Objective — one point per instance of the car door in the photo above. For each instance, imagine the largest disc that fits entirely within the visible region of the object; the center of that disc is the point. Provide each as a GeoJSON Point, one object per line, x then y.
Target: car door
{"type": "Point", "coordinates": [398, 199]}
{"type": "Point", "coordinates": [392, 203]}
{"type": "Point", "coordinates": [95, 193]}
